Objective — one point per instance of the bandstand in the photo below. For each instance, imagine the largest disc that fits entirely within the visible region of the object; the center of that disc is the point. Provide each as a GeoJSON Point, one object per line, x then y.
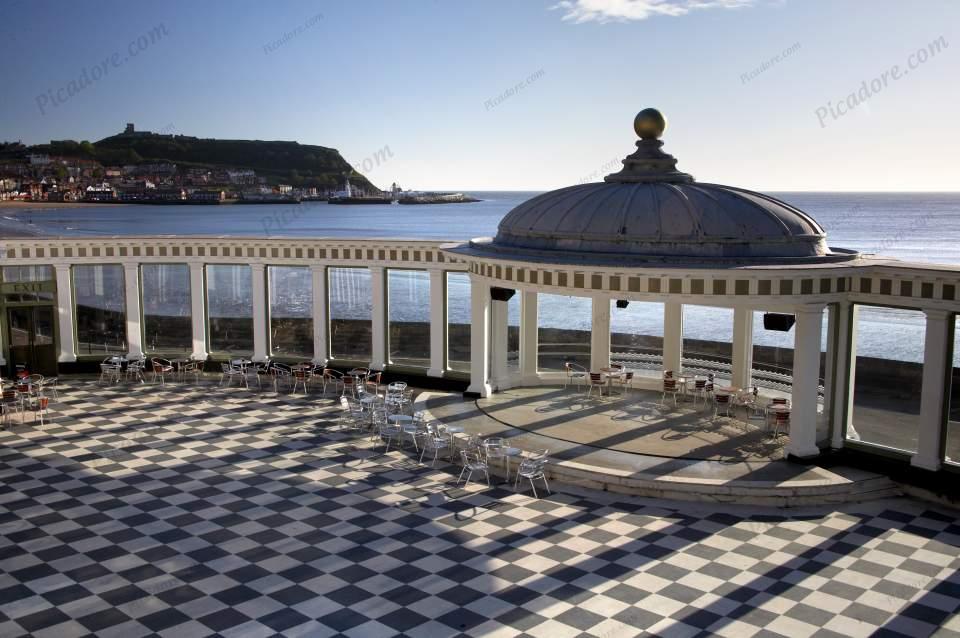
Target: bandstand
{"type": "Point", "coordinates": [648, 233]}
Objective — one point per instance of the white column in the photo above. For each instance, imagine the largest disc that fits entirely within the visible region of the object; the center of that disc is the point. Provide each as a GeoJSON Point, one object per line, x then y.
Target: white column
{"type": "Point", "coordinates": [378, 317]}
{"type": "Point", "coordinates": [261, 341]}
{"type": "Point", "coordinates": [936, 369]}
{"type": "Point", "coordinates": [672, 335]}
{"type": "Point", "coordinates": [479, 337]}
{"type": "Point", "coordinates": [321, 350]}
{"type": "Point", "coordinates": [600, 333]}
{"type": "Point", "coordinates": [131, 282]}
{"type": "Point", "coordinates": [438, 323]}
{"type": "Point", "coordinates": [528, 337]}
{"type": "Point", "coordinates": [829, 375]}
{"type": "Point", "coordinates": [806, 378]}
{"type": "Point", "coordinates": [742, 347]}
{"type": "Point", "coordinates": [846, 373]}
{"type": "Point", "coordinates": [198, 312]}
{"type": "Point", "coordinates": [68, 350]}
{"type": "Point", "coordinates": [498, 345]}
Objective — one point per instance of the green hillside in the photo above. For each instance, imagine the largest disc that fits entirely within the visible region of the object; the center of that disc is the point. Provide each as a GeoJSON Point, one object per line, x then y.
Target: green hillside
{"type": "Point", "coordinates": [278, 161]}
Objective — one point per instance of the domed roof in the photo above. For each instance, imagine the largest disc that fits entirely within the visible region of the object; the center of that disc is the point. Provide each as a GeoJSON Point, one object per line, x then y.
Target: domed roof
{"type": "Point", "coordinates": [662, 219]}
{"type": "Point", "coordinates": [651, 211]}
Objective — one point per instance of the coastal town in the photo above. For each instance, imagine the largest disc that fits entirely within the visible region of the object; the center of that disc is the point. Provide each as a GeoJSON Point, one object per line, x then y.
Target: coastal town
{"type": "Point", "coordinates": [72, 175]}
{"type": "Point", "coordinates": [42, 177]}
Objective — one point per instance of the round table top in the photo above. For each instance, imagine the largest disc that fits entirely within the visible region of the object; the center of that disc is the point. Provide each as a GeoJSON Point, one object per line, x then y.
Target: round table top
{"type": "Point", "coordinates": [370, 398]}
{"type": "Point", "coordinates": [512, 451]}
{"type": "Point", "coordinates": [778, 407]}
{"type": "Point", "coordinates": [730, 389]}
{"type": "Point", "coordinates": [400, 418]}
{"type": "Point", "coordinates": [243, 362]}
{"type": "Point", "coordinates": [454, 429]}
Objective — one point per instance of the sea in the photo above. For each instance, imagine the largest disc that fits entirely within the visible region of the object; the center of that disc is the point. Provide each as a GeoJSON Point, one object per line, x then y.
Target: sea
{"type": "Point", "coordinates": [922, 227]}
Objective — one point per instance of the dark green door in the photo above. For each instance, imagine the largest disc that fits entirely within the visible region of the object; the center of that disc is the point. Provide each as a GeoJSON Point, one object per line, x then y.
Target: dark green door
{"type": "Point", "coordinates": [32, 342]}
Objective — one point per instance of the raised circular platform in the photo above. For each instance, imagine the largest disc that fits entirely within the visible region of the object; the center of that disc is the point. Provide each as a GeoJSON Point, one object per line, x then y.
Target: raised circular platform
{"type": "Point", "coordinates": [635, 422]}
{"type": "Point", "coordinates": [757, 480]}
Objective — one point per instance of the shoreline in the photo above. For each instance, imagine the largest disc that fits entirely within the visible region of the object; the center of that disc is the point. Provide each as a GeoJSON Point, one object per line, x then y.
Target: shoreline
{"type": "Point", "coordinates": [42, 205]}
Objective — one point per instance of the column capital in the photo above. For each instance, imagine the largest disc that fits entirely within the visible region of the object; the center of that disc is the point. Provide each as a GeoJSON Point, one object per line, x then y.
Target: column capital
{"type": "Point", "coordinates": [256, 267]}
{"type": "Point", "coordinates": [376, 268]}
{"type": "Point", "coordinates": [318, 267]}
{"type": "Point", "coordinates": [810, 309]}
{"type": "Point", "coordinates": [937, 314]}
{"type": "Point", "coordinates": [62, 267]}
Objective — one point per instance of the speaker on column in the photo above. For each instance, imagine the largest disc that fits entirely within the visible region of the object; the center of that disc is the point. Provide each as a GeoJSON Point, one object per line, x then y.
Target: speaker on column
{"type": "Point", "coordinates": [501, 294]}
{"type": "Point", "coordinates": [778, 322]}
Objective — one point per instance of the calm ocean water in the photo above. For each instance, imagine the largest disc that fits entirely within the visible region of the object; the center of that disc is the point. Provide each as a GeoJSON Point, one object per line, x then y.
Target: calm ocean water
{"type": "Point", "coordinates": [909, 226]}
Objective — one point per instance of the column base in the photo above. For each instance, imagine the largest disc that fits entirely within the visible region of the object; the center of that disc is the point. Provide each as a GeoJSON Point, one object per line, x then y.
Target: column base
{"type": "Point", "coordinates": [377, 365]}
{"type": "Point", "coordinates": [435, 372]}
{"type": "Point", "coordinates": [199, 356]}
{"type": "Point", "coordinates": [501, 384]}
{"type": "Point", "coordinates": [135, 354]}
{"type": "Point", "coordinates": [931, 465]}
{"type": "Point", "coordinates": [801, 454]}
{"type": "Point", "coordinates": [64, 358]}
{"type": "Point", "coordinates": [478, 390]}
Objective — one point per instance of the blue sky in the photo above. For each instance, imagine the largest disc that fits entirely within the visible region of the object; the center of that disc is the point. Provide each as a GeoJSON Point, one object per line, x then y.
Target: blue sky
{"type": "Point", "coordinates": [430, 81]}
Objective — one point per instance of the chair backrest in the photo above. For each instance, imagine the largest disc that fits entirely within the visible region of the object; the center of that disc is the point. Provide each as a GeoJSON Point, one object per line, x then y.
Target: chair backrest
{"type": "Point", "coordinates": [397, 386]}
{"type": "Point", "coordinates": [669, 385]}
{"type": "Point", "coordinates": [779, 401]}
{"type": "Point", "coordinates": [782, 416]}
{"type": "Point", "coordinates": [668, 374]}
{"type": "Point", "coordinates": [347, 380]}
{"type": "Point", "coordinates": [596, 378]}
{"type": "Point", "coordinates": [700, 384]}
{"type": "Point", "coordinates": [226, 367]}
{"type": "Point", "coordinates": [722, 398]}
{"type": "Point", "coordinates": [709, 386]}
{"type": "Point", "coordinates": [9, 395]}
{"type": "Point", "coordinates": [628, 376]}
{"type": "Point", "coordinates": [375, 377]}
{"type": "Point", "coordinates": [617, 366]}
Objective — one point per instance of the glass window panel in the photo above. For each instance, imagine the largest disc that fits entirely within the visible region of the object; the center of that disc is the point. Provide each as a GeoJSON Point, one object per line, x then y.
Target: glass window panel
{"type": "Point", "coordinates": [708, 340]}
{"type": "Point", "coordinates": [458, 321]}
{"type": "Point", "coordinates": [27, 273]}
{"type": "Point", "coordinates": [636, 335]}
{"type": "Point", "coordinates": [291, 311]}
{"type": "Point", "coordinates": [952, 447]}
{"type": "Point", "coordinates": [230, 309]}
{"type": "Point", "coordinates": [167, 312]}
{"type": "Point", "coordinates": [100, 303]}
{"type": "Point", "coordinates": [563, 331]}
{"type": "Point", "coordinates": [513, 332]}
{"type": "Point", "coordinates": [888, 377]}
{"type": "Point", "coordinates": [351, 309]}
{"type": "Point", "coordinates": [408, 294]}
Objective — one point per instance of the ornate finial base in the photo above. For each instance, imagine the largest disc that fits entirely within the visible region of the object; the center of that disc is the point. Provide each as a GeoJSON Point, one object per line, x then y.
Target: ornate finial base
{"type": "Point", "coordinates": [649, 164]}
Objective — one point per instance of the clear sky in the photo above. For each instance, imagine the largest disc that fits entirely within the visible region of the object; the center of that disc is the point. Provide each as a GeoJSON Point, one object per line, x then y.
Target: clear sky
{"type": "Point", "coordinates": [427, 84]}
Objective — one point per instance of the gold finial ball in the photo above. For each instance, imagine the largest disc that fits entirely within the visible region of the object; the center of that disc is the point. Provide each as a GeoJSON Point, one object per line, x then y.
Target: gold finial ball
{"type": "Point", "coordinates": [649, 124]}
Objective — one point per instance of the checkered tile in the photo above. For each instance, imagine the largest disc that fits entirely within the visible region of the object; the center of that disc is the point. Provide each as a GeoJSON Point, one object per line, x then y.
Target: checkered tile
{"type": "Point", "coordinates": [185, 511]}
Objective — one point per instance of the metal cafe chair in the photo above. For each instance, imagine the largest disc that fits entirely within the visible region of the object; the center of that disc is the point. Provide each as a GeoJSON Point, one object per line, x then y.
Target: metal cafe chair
{"type": "Point", "coordinates": [228, 372]}
{"type": "Point", "coordinates": [161, 367]}
{"type": "Point", "coordinates": [473, 462]}
{"type": "Point", "coordinates": [670, 388]}
{"type": "Point", "coordinates": [597, 382]}
{"type": "Point", "coordinates": [575, 374]}
{"type": "Point", "coordinates": [531, 468]}
{"type": "Point", "coordinates": [300, 377]}
{"type": "Point", "coordinates": [721, 402]}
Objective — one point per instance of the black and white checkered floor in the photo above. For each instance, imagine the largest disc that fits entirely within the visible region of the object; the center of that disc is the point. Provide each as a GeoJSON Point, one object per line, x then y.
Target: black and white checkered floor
{"type": "Point", "coordinates": [193, 512]}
